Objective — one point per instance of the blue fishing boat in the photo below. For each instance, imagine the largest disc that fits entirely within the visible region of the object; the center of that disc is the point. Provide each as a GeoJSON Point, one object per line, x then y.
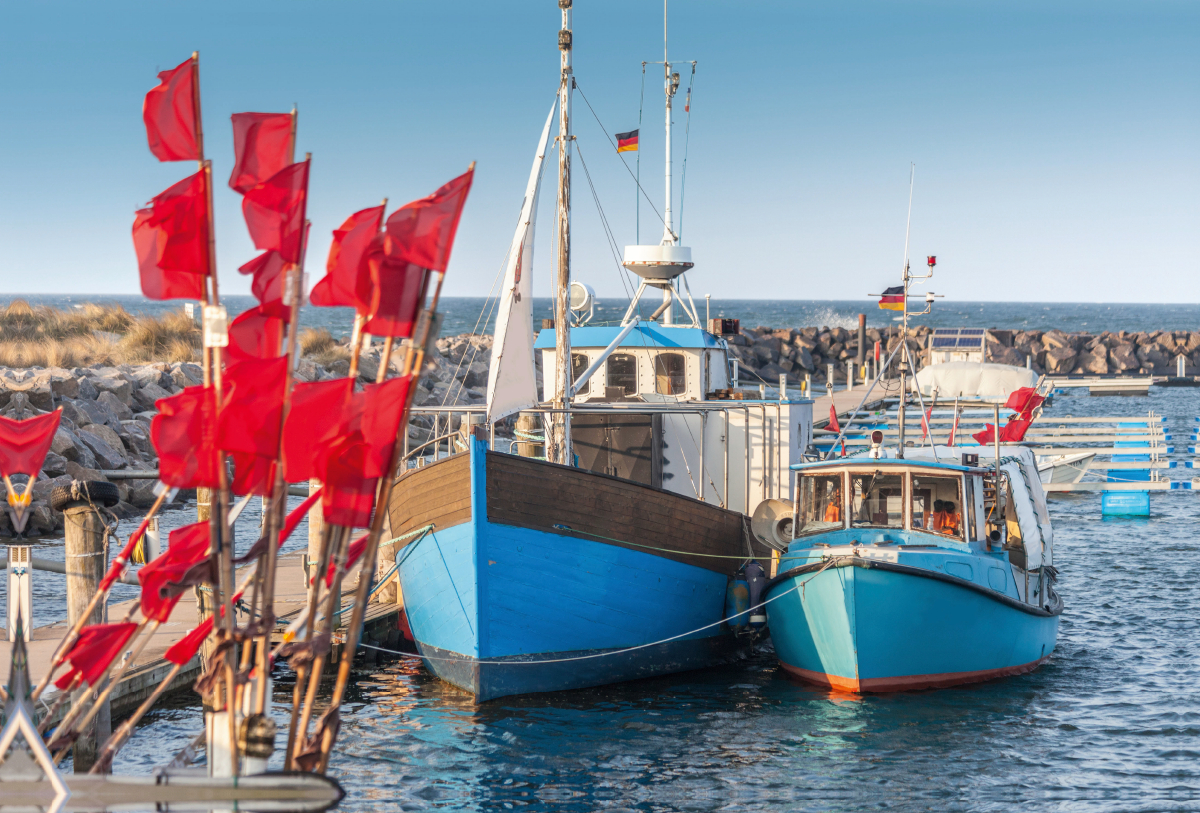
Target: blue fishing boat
{"type": "Point", "coordinates": [916, 572]}
{"type": "Point", "coordinates": [608, 538]}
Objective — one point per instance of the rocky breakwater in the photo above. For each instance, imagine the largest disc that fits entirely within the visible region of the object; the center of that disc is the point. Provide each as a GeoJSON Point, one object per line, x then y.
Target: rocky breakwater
{"type": "Point", "coordinates": [1123, 353]}
{"type": "Point", "coordinates": [766, 353]}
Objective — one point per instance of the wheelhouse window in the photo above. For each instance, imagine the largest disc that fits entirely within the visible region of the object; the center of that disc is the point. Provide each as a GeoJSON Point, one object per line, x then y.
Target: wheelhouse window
{"type": "Point", "coordinates": [821, 507]}
{"type": "Point", "coordinates": [937, 505]}
{"type": "Point", "coordinates": [579, 365]}
{"type": "Point", "coordinates": [621, 370]}
{"type": "Point", "coordinates": [669, 374]}
{"type": "Point", "coordinates": [877, 500]}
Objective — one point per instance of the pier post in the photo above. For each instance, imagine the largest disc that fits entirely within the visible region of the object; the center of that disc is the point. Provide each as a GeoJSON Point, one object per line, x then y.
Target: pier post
{"type": "Point", "coordinates": [862, 340]}
{"type": "Point", "coordinates": [204, 594]}
{"type": "Point", "coordinates": [316, 524]}
{"type": "Point", "coordinates": [85, 531]}
{"type": "Point", "coordinates": [529, 424]}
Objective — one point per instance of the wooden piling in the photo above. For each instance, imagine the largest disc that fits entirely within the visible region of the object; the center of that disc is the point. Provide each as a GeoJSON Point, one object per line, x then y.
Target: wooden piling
{"type": "Point", "coordinates": [316, 524]}
{"type": "Point", "coordinates": [85, 531]}
{"type": "Point", "coordinates": [529, 423]}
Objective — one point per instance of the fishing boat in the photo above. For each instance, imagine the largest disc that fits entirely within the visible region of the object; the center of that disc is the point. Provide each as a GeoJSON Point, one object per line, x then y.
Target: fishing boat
{"type": "Point", "coordinates": [624, 550]}
{"type": "Point", "coordinates": [915, 567]}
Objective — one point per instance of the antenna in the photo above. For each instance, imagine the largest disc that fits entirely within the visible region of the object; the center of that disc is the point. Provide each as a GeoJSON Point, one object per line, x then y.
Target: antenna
{"type": "Point", "coordinates": [912, 174]}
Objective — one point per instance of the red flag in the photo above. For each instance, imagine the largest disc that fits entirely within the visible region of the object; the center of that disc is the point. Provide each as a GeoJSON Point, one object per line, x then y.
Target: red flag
{"type": "Point", "coordinates": [169, 112]}
{"type": "Point", "coordinates": [1018, 399]}
{"type": "Point", "coordinates": [188, 548]}
{"type": "Point", "coordinates": [397, 292]}
{"type": "Point", "coordinates": [1014, 431]}
{"type": "Point", "coordinates": [186, 647]}
{"type": "Point", "coordinates": [95, 648]}
{"type": "Point", "coordinates": [262, 146]}
{"type": "Point", "coordinates": [987, 436]}
{"type": "Point", "coordinates": [253, 474]}
{"type": "Point", "coordinates": [317, 414]}
{"type": "Point", "coordinates": [346, 281]}
{"type": "Point", "coordinates": [953, 428]}
{"type": "Point", "coordinates": [348, 494]}
{"type": "Point", "coordinates": [1033, 403]}
{"type": "Point", "coordinates": [383, 410]}
{"type": "Point", "coordinates": [184, 435]}
{"type": "Point", "coordinates": [925, 422]}
{"type": "Point", "coordinates": [250, 415]}
{"type": "Point", "coordinates": [296, 514]}
{"type": "Point", "coordinates": [833, 421]}
{"type": "Point", "coordinates": [274, 211]}
{"type": "Point", "coordinates": [171, 240]}
{"type": "Point", "coordinates": [24, 444]}
{"type": "Point", "coordinates": [268, 269]}
{"type": "Point", "coordinates": [254, 335]}
{"type": "Point", "coordinates": [422, 232]}
{"type": "Point", "coordinates": [157, 283]}
{"type": "Point", "coordinates": [352, 555]}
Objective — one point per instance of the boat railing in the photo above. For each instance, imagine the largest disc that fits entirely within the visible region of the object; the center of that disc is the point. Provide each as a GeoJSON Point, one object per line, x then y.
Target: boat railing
{"type": "Point", "coordinates": [763, 445]}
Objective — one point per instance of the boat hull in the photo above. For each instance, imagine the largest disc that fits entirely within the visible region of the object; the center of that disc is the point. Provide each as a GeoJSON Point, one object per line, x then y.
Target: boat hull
{"type": "Point", "coordinates": [499, 608]}
{"type": "Point", "coordinates": [863, 627]}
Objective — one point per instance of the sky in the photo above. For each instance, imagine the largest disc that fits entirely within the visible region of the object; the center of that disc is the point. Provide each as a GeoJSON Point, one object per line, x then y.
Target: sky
{"type": "Point", "coordinates": [1054, 143]}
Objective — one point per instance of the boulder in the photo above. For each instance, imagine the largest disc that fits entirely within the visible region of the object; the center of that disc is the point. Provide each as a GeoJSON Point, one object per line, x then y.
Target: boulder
{"type": "Point", "coordinates": [186, 374]}
{"type": "Point", "coordinates": [65, 443]}
{"type": "Point", "coordinates": [147, 395]}
{"type": "Point", "coordinates": [1059, 360]}
{"type": "Point", "coordinates": [1003, 354]}
{"type": "Point", "coordinates": [1094, 361]}
{"type": "Point", "coordinates": [1152, 355]}
{"type": "Point", "coordinates": [803, 359]}
{"type": "Point", "coordinates": [476, 375]}
{"type": "Point", "coordinates": [137, 440]}
{"type": "Point", "coordinates": [141, 493]}
{"type": "Point", "coordinates": [63, 383]}
{"type": "Point", "coordinates": [35, 387]}
{"type": "Point", "coordinates": [41, 520]}
{"type": "Point", "coordinates": [1122, 357]}
{"type": "Point", "coordinates": [1056, 338]}
{"type": "Point", "coordinates": [97, 412]}
{"type": "Point", "coordinates": [104, 446]}
{"type": "Point", "coordinates": [119, 408]}
{"type": "Point", "coordinates": [78, 472]}
{"type": "Point", "coordinates": [54, 465]}
{"type": "Point", "coordinates": [119, 387]}
{"type": "Point", "coordinates": [87, 390]}
{"type": "Point", "coordinates": [155, 374]}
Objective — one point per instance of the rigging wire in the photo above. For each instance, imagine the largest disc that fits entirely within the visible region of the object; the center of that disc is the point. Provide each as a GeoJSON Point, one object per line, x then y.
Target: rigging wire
{"type": "Point", "coordinates": [623, 162]}
{"type": "Point", "coordinates": [638, 198]}
{"type": "Point", "coordinates": [622, 272]}
{"type": "Point", "coordinates": [687, 130]}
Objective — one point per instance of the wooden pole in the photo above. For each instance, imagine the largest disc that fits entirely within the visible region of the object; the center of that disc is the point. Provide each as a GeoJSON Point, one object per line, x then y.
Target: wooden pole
{"type": "Point", "coordinates": [104, 760]}
{"type": "Point", "coordinates": [85, 532]}
{"type": "Point", "coordinates": [414, 361]}
{"type": "Point", "coordinates": [313, 587]}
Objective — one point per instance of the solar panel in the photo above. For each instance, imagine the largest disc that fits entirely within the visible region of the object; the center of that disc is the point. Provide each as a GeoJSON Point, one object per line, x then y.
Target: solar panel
{"type": "Point", "coordinates": [971, 331]}
{"type": "Point", "coordinates": [970, 342]}
{"type": "Point", "coordinates": [958, 338]}
{"type": "Point", "coordinates": [944, 341]}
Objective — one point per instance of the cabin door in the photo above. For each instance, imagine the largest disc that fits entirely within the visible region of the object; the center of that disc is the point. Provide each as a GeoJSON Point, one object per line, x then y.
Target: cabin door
{"type": "Point", "coordinates": [625, 446]}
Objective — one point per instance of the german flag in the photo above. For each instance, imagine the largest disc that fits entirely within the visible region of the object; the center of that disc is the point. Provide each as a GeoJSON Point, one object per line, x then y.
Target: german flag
{"type": "Point", "coordinates": [892, 299]}
{"type": "Point", "coordinates": [627, 142]}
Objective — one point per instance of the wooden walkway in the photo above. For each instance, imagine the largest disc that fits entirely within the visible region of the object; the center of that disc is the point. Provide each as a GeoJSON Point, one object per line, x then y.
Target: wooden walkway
{"type": "Point", "coordinates": [150, 668]}
{"type": "Point", "coordinates": [845, 401]}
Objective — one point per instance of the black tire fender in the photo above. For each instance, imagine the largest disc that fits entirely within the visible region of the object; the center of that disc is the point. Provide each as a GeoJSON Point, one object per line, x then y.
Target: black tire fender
{"type": "Point", "coordinates": [100, 492]}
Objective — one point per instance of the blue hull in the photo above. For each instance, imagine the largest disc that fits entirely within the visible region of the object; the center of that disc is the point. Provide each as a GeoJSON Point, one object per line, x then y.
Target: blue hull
{"type": "Point", "coordinates": [502, 610]}
{"type": "Point", "coordinates": [863, 627]}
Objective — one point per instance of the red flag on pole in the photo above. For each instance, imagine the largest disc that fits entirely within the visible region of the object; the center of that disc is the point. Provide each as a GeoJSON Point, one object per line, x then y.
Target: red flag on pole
{"type": "Point", "coordinates": [169, 112]}
{"type": "Point", "coordinates": [274, 211]}
{"type": "Point", "coordinates": [95, 648]}
{"type": "Point", "coordinates": [188, 548]}
{"type": "Point", "coordinates": [253, 474]}
{"type": "Point", "coordinates": [184, 435]}
{"type": "Point", "coordinates": [268, 281]}
{"type": "Point", "coordinates": [833, 421]}
{"type": "Point", "coordinates": [1014, 430]}
{"type": "Point", "coordinates": [170, 237]}
{"type": "Point", "coordinates": [253, 405]}
{"type": "Point", "coordinates": [348, 494]}
{"type": "Point", "coordinates": [186, 647]}
{"type": "Point", "coordinates": [1019, 398]}
{"type": "Point", "coordinates": [987, 436]}
{"type": "Point", "coordinates": [24, 444]}
{"type": "Point", "coordinates": [157, 283]}
{"type": "Point", "coordinates": [382, 411]}
{"type": "Point", "coordinates": [347, 281]}
{"type": "Point", "coordinates": [953, 428]}
{"type": "Point", "coordinates": [422, 232]}
{"type": "Point", "coordinates": [262, 146]}
{"type": "Point", "coordinates": [925, 419]}
{"type": "Point", "coordinates": [254, 335]}
{"type": "Point", "coordinates": [317, 414]}
{"type": "Point", "coordinates": [397, 292]}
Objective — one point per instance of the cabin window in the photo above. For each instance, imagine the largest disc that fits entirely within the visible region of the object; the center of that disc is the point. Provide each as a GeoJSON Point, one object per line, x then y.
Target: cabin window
{"type": "Point", "coordinates": [877, 500]}
{"type": "Point", "coordinates": [821, 506]}
{"type": "Point", "coordinates": [668, 373]}
{"type": "Point", "coordinates": [579, 365]}
{"type": "Point", "coordinates": [937, 505]}
{"type": "Point", "coordinates": [621, 371]}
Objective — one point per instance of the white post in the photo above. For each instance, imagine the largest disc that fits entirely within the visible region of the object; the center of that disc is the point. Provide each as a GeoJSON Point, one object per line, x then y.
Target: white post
{"type": "Point", "coordinates": [20, 591]}
{"type": "Point", "coordinates": [849, 375]}
{"type": "Point", "coordinates": [1179, 365]}
{"type": "Point", "coordinates": [829, 378]}
{"type": "Point", "coordinates": [808, 385]}
{"type": "Point", "coordinates": [153, 540]}
{"type": "Point", "coordinates": [782, 387]}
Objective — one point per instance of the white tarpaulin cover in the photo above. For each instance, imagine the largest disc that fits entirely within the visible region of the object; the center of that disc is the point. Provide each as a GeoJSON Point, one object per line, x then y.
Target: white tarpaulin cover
{"type": "Point", "coordinates": [512, 379]}
{"type": "Point", "coordinates": [965, 379]}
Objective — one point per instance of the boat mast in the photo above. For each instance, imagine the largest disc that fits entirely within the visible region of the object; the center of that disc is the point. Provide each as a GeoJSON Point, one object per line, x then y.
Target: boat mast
{"type": "Point", "coordinates": [904, 324]}
{"type": "Point", "coordinates": [561, 421]}
{"type": "Point", "coordinates": [670, 85]}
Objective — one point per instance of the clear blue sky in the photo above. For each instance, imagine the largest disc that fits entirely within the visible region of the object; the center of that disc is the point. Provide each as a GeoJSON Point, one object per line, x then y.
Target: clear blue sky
{"type": "Point", "coordinates": [1056, 143]}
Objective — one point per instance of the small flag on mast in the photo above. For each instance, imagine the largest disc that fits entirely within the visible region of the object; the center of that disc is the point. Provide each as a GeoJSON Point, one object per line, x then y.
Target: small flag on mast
{"type": "Point", "coordinates": [627, 142]}
{"type": "Point", "coordinates": [892, 299]}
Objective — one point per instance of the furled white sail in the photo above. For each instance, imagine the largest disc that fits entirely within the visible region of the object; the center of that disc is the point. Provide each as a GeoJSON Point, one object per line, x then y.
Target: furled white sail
{"type": "Point", "coordinates": [512, 380]}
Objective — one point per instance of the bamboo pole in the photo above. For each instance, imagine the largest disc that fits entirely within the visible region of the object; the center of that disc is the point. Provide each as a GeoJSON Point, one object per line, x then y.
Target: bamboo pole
{"type": "Point", "coordinates": [298, 691]}
{"type": "Point", "coordinates": [117, 566]}
{"type": "Point", "coordinates": [414, 360]}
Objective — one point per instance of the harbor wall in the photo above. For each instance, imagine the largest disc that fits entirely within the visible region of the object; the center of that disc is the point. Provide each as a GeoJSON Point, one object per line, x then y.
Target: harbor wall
{"type": "Point", "coordinates": [107, 409]}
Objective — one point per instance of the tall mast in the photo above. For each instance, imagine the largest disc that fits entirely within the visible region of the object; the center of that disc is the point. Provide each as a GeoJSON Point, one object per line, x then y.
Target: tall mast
{"type": "Point", "coordinates": [912, 172]}
{"type": "Point", "coordinates": [670, 85]}
{"type": "Point", "coordinates": [561, 437]}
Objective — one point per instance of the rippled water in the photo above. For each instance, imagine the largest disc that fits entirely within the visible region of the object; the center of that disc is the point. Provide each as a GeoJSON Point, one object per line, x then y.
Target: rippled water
{"type": "Point", "coordinates": [1111, 722]}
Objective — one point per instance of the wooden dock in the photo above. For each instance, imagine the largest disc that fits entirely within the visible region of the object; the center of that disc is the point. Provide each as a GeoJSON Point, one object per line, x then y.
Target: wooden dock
{"type": "Point", "coordinates": [150, 668]}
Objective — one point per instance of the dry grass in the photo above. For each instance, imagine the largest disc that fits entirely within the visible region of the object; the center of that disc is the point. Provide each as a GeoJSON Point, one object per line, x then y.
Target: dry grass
{"type": "Point", "coordinates": [320, 346]}
{"type": "Point", "coordinates": [43, 336]}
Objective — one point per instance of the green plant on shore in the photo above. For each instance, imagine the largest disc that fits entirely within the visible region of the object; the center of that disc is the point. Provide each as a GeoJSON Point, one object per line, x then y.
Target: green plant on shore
{"type": "Point", "coordinates": [44, 336]}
